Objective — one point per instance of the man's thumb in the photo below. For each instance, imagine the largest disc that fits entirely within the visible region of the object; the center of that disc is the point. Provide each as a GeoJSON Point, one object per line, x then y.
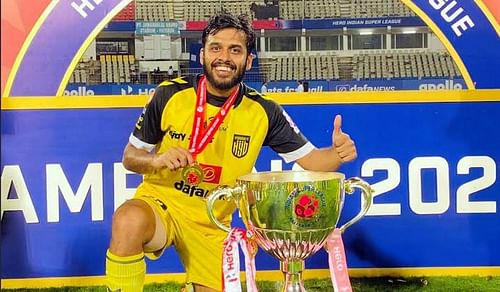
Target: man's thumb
{"type": "Point", "coordinates": [337, 124]}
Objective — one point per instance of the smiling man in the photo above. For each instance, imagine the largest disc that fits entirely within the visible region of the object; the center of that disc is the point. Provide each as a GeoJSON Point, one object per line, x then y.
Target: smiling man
{"type": "Point", "coordinates": [194, 134]}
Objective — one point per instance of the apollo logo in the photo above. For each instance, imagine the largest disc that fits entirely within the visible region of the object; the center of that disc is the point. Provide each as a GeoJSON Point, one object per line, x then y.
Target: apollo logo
{"type": "Point", "coordinates": [446, 85]}
{"type": "Point", "coordinates": [80, 91]}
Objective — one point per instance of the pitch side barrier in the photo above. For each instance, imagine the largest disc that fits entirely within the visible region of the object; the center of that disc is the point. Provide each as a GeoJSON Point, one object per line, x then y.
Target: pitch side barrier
{"type": "Point", "coordinates": [431, 156]}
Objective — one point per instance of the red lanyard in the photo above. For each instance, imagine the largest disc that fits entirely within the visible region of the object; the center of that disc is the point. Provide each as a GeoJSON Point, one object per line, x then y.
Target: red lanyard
{"type": "Point", "coordinates": [200, 137]}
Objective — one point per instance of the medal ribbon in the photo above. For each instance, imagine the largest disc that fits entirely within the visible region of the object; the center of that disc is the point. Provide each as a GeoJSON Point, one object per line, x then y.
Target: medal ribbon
{"type": "Point", "coordinates": [231, 281]}
{"type": "Point", "coordinates": [200, 138]}
{"type": "Point", "coordinates": [337, 262]}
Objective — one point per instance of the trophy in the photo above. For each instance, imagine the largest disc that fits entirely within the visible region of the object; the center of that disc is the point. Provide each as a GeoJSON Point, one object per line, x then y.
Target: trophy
{"type": "Point", "coordinates": [290, 214]}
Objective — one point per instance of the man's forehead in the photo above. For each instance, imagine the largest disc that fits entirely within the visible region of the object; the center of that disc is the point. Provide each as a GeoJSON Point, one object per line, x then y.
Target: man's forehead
{"type": "Point", "coordinates": [232, 35]}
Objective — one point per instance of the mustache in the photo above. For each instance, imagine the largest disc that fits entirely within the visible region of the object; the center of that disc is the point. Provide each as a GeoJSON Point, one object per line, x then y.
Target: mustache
{"type": "Point", "coordinates": [227, 64]}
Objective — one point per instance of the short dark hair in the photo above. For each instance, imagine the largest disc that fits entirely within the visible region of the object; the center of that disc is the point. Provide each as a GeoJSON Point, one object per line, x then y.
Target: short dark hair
{"type": "Point", "coordinates": [225, 19]}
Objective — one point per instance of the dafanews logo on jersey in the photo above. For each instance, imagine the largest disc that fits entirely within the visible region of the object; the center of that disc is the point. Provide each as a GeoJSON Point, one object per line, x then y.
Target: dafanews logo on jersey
{"type": "Point", "coordinates": [190, 190]}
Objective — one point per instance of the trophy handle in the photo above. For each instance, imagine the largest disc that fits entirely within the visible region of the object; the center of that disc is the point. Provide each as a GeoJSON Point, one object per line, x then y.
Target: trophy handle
{"type": "Point", "coordinates": [215, 195]}
{"type": "Point", "coordinates": [349, 186]}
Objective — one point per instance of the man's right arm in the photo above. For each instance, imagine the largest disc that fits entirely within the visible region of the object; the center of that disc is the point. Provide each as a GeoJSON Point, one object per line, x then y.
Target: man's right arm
{"type": "Point", "coordinates": [138, 160]}
{"type": "Point", "coordinates": [144, 162]}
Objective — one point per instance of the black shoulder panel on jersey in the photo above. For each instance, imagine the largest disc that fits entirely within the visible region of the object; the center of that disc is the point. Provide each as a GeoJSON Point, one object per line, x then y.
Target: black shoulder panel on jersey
{"type": "Point", "coordinates": [283, 135]}
{"type": "Point", "coordinates": [148, 127]}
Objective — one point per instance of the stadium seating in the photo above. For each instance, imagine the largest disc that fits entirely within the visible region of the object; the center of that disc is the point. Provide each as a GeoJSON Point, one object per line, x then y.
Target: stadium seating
{"type": "Point", "coordinates": [154, 10]}
{"type": "Point", "coordinates": [109, 69]}
{"type": "Point", "coordinates": [403, 64]}
{"type": "Point", "coordinates": [157, 10]}
{"type": "Point", "coordinates": [377, 8]}
{"type": "Point", "coordinates": [303, 67]}
{"type": "Point", "coordinates": [127, 14]}
{"type": "Point", "coordinates": [378, 64]}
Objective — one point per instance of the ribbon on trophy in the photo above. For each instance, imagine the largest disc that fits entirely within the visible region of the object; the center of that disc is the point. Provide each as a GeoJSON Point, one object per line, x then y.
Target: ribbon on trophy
{"type": "Point", "coordinates": [231, 281]}
{"type": "Point", "coordinates": [201, 136]}
{"type": "Point", "coordinates": [337, 262]}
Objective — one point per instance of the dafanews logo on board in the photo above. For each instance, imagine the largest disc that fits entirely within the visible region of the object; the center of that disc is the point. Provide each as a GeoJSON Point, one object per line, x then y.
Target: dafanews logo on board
{"type": "Point", "coordinates": [364, 87]}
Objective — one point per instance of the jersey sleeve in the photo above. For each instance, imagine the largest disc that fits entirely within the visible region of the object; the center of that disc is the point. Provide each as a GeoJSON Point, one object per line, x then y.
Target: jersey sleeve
{"type": "Point", "coordinates": [147, 131]}
{"type": "Point", "coordinates": [283, 136]}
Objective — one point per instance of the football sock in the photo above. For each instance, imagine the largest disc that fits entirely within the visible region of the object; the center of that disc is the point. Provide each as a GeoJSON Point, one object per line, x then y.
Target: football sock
{"type": "Point", "coordinates": [125, 274]}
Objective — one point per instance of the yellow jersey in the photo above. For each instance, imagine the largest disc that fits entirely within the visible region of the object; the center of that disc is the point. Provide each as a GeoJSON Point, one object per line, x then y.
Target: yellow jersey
{"type": "Point", "coordinates": [253, 122]}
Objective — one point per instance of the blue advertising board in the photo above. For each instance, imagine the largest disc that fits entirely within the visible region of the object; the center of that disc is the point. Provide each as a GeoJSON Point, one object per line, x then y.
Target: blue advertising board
{"type": "Point", "coordinates": [121, 26]}
{"type": "Point", "coordinates": [284, 86]}
{"type": "Point", "coordinates": [339, 23]}
{"type": "Point", "coordinates": [110, 89]}
{"type": "Point", "coordinates": [433, 166]}
{"type": "Point", "coordinates": [366, 85]}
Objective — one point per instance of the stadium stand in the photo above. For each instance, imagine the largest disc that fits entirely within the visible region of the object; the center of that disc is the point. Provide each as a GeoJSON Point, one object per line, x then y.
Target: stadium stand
{"type": "Point", "coordinates": [395, 64]}
{"type": "Point", "coordinates": [127, 14]}
{"type": "Point", "coordinates": [303, 67]}
{"type": "Point", "coordinates": [340, 64]}
{"type": "Point", "coordinates": [109, 69]}
{"type": "Point", "coordinates": [155, 10]}
{"type": "Point", "coordinates": [376, 8]}
{"type": "Point", "coordinates": [365, 65]}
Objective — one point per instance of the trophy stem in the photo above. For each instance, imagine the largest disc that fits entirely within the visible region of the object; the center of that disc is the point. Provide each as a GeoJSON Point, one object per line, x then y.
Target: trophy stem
{"type": "Point", "coordinates": [293, 275]}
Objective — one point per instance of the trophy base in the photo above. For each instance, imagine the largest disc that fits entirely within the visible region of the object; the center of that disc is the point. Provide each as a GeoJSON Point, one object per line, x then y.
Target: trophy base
{"type": "Point", "coordinates": [292, 269]}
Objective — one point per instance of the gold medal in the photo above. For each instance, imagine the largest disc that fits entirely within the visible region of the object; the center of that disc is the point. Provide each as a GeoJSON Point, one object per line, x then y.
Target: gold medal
{"type": "Point", "coordinates": [192, 174]}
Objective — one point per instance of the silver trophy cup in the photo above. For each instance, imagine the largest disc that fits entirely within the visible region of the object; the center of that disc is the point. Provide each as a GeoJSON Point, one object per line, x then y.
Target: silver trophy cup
{"type": "Point", "coordinates": [290, 214]}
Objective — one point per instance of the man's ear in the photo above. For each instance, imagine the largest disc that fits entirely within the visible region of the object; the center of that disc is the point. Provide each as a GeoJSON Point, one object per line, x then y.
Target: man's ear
{"type": "Point", "coordinates": [249, 61]}
{"type": "Point", "coordinates": [201, 55]}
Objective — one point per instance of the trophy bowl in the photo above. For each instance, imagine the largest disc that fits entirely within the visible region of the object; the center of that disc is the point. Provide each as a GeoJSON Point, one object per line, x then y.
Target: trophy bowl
{"type": "Point", "coordinates": [290, 214]}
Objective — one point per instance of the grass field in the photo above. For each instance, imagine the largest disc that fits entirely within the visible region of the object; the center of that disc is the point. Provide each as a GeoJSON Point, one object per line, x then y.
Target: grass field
{"type": "Point", "coordinates": [447, 284]}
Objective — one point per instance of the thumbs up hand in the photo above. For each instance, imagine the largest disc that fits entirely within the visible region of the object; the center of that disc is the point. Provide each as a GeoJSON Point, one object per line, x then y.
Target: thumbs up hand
{"type": "Point", "coordinates": [342, 144]}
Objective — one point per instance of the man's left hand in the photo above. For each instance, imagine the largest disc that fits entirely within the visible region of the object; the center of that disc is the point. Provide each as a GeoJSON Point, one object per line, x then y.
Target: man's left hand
{"type": "Point", "coordinates": [342, 143]}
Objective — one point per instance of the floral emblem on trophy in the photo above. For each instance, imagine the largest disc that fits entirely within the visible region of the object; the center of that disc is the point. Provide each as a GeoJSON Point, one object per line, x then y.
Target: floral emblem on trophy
{"type": "Point", "coordinates": [304, 205]}
{"type": "Point", "coordinates": [307, 206]}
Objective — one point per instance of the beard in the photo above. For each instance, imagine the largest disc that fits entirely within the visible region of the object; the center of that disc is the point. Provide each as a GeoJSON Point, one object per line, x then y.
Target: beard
{"type": "Point", "coordinates": [224, 85]}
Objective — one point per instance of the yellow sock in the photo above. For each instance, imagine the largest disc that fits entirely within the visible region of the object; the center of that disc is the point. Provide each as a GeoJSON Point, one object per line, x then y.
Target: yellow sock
{"type": "Point", "coordinates": [125, 274]}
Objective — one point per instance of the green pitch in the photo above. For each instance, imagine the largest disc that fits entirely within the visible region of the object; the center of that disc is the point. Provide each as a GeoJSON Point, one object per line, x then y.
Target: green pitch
{"type": "Point", "coordinates": [445, 284]}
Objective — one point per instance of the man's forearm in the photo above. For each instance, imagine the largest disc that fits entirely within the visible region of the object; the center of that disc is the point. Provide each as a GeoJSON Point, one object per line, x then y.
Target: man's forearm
{"type": "Point", "coordinates": [323, 159]}
{"type": "Point", "coordinates": [138, 160]}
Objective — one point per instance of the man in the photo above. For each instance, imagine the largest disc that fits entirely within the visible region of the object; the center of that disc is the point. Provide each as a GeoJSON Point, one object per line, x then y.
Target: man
{"type": "Point", "coordinates": [300, 87]}
{"type": "Point", "coordinates": [186, 143]}
{"type": "Point", "coordinates": [170, 73]}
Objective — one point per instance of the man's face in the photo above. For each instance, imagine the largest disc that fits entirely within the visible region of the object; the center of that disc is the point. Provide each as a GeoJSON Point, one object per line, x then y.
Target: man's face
{"type": "Point", "coordinates": [225, 59]}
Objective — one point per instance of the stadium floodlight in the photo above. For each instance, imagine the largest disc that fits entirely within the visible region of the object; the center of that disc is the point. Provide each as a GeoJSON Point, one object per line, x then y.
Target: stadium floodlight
{"type": "Point", "coordinates": [366, 32]}
{"type": "Point", "coordinates": [409, 31]}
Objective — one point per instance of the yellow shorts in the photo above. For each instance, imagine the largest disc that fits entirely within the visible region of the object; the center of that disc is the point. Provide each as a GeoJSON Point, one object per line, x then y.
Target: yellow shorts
{"type": "Point", "coordinates": [198, 245]}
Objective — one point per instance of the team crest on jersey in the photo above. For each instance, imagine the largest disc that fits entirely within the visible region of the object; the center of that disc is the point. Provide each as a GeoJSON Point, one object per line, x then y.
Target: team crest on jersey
{"type": "Point", "coordinates": [241, 144]}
